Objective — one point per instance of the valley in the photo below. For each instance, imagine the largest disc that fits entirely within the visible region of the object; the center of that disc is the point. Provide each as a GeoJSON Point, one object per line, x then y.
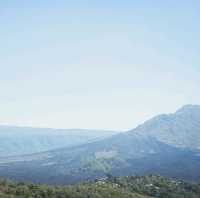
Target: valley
{"type": "Point", "coordinates": [167, 145]}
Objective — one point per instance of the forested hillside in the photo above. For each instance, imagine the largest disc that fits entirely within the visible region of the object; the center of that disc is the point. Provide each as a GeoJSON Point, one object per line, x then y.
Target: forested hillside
{"type": "Point", "coordinates": [110, 187]}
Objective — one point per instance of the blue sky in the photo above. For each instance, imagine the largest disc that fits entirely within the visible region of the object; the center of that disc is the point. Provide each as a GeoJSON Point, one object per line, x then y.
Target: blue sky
{"type": "Point", "coordinates": [97, 64]}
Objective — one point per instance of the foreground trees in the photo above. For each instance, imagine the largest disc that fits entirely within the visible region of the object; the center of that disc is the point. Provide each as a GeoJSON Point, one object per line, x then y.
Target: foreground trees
{"type": "Point", "coordinates": [110, 187]}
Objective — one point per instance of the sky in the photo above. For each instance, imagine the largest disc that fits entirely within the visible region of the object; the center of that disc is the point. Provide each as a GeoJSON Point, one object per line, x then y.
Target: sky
{"type": "Point", "coordinates": [105, 64]}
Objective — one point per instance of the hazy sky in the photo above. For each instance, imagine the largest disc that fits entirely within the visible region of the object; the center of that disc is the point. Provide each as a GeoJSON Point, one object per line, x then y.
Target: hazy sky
{"type": "Point", "coordinates": [105, 64]}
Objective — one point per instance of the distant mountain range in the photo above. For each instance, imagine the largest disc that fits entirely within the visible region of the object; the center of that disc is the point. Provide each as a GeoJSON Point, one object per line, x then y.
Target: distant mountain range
{"type": "Point", "coordinates": [168, 144]}
{"type": "Point", "coordinates": [27, 140]}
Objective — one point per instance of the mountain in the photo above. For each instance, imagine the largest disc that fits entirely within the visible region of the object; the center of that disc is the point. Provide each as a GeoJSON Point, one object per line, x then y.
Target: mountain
{"type": "Point", "coordinates": [167, 144]}
{"type": "Point", "coordinates": [112, 187]}
{"type": "Point", "coordinates": [181, 129]}
{"type": "Point", "coordinates": [26, 140]}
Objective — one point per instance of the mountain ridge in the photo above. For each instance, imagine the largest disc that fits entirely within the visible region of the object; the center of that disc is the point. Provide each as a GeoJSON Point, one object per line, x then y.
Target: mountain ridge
{"type": "Point", "coordinates": [158, 146]}
{"type": "Point", "coordinates": [181, 129]}
{"type": "Point", "coordinates": [16, 140]}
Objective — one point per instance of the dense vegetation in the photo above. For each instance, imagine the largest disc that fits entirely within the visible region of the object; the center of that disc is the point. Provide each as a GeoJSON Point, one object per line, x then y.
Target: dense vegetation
{"type": "Point", "coordinates": [157, 186]}
{"type": "Point", "coordinates": [111, 187]}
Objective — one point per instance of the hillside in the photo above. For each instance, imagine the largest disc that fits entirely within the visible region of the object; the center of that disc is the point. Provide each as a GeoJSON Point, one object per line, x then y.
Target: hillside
{"type": "Point", "coordinates": [180, 129]}
{"type": "Point", "coordinates": [166, 145]}
{"type": "Point", "coordinates": [112, 187]}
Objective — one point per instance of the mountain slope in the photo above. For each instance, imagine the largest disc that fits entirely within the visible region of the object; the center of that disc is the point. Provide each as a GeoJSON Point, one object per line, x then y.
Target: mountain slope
{"type": "Point", "coordinates": [181, 129]}
{"type": "Point", "coordinates": [166, 145]}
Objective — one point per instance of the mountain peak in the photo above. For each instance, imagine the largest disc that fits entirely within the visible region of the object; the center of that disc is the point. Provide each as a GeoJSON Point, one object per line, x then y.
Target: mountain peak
{"type": "Point", "coordinates": [188, 108]}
